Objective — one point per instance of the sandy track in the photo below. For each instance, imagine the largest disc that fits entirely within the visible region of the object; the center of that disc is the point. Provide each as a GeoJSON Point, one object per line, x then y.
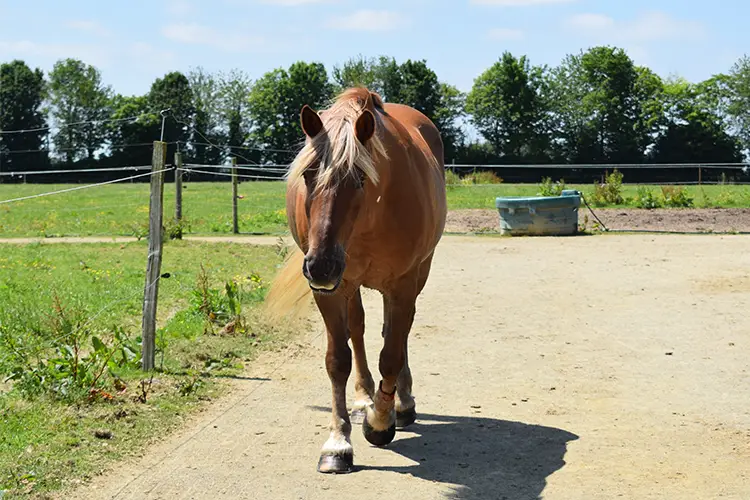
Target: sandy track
{"type": "Point", "coordinates": [577, 368]}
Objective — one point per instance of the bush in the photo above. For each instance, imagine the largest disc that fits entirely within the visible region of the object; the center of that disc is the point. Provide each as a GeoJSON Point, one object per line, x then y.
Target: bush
{"type": "Point", "coordinates": [609, 193]}
{"type": "Point", "coordinates": [548, 188]}
{"type": "Point", "coordinates": [452, 178]}
{"type": "Point", "coordinates": [676, 197]}
{"type": "Point", "coordinates": [484, 177]}
{"type": "Point", "coordinates": [647, 199]}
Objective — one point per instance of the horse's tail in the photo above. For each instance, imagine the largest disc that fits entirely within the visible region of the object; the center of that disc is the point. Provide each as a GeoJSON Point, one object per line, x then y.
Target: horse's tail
{"type": "Point", "coordinates": [289, 295]}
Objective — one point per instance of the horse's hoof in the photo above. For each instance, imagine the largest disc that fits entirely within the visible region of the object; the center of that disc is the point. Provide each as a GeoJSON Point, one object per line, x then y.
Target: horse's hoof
{"type": "Point", "coordinates": [335, 464]}
{"type": "Point", "coordinates": [378, 438]}
{"type": "Point", "coordinates": [357, 416]}
{"type": "Point", "coordinates": [406, 418]}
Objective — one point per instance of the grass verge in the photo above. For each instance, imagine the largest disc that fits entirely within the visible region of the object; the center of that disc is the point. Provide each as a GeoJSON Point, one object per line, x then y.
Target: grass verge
{"type": "Point", "coordinates": [74, 400]}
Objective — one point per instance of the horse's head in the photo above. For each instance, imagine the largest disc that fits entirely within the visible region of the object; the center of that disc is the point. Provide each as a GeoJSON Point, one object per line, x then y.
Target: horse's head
{"type": "Point", "coordinates": [337, 168]}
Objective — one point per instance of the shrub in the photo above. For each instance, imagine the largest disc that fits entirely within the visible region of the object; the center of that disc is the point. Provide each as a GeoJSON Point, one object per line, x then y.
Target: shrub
{"type": "Point", "coordinates": [452, 178]}
{"type": "Point", "coordinates": [484, 177]}
{"type": "Point", "coordinates": [676, 196]}
{"type": "Point", "coordinates": [610, 192]}
{"type": "Point", "coordinates": [548, 188]}
{"type": "Point", "coordinates": [647, 199]}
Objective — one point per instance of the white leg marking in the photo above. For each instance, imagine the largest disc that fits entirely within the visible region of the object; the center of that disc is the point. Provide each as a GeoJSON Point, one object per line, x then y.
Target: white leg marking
{"type": "Point", "coordinates": [338, 444]}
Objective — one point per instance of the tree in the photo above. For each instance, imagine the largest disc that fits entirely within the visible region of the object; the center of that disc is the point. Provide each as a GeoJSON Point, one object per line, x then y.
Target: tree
{"type": "Point", "coordinates": [173, 92]}
{"type": "Point", "coordinates": [602, 107]}
{"type": "Point", "coordinates": [234, 91]}
{"type": "Point", "coordinates": [737, 84]}
{"type": "Point", "coordinates": [207, 118]}
{"type": "Point", "coordinates": [134, 130]}
{"type": "Point", "coordinates": [507, 107]}
{"type": "Point", "coordinates": [275, 103]}
{"type": "Point", "coordinates": [690, 131]}
{"type": "Point", "coordinates": [22, 92]}
{"type": "Point", "coordinates": [79, 104]}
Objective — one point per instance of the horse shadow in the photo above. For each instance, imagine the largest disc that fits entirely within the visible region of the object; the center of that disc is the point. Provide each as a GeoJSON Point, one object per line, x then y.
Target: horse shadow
{"type": "Point", "coordinates": [481, 458]}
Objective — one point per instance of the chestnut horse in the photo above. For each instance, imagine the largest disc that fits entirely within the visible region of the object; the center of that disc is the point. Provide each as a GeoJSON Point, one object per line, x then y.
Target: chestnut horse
{"type": "Point", "coordinates": [366, 205]}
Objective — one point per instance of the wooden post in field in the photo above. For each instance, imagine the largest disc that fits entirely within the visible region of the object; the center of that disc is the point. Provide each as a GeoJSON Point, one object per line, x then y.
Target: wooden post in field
{"type": "Point", "coordinates": [235, 186]}
{"type": "Point", "coordinates": [700, 175]}
{"type": "Point", "coordinates": [153, 266]}
{"type": "Point", "coordinates": [178, 187]}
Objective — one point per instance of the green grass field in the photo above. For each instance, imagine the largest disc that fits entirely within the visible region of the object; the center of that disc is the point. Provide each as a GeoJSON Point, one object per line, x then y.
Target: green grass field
{"type": "Point", "coordinates": [70, 319]}
{"type": "Point", "coordinates": [122, 210]}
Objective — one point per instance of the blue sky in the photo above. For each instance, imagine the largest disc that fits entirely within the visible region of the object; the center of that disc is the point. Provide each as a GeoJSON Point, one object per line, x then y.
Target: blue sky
{"type": "Point", "coordinates": [137, 41]}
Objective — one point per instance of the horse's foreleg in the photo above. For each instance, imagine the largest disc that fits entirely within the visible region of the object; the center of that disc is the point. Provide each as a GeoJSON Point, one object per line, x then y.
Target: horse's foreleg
{"type": "Point", "coordinates": [406, 412]}
{"type": "Point", "coordinates": [364, 387]}
{"type": "Point", "coordinates": [337, 455]}
{"type": "Point", "coordinates": [380, 422]}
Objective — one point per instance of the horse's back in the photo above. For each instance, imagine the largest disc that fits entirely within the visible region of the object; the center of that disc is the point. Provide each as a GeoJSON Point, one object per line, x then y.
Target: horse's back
{"type": "Point", "coordinates": [416, 122]}
{"type": "Point", "coordinates": [421, 184]}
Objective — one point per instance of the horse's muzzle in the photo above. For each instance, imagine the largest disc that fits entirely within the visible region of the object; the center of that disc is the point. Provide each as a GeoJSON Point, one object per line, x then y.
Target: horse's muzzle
{"type": "Point", "coordinates": [324, 270]}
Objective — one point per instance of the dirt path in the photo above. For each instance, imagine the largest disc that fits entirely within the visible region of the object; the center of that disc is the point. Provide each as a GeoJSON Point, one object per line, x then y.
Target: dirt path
{"type": "Point", "coordinates": [697, 220]}
{"type": "Point", "coordinates": [606, 367]}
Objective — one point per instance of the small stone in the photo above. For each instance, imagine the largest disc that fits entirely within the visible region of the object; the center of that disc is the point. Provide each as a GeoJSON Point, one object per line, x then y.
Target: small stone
{"type": "Point", "coordinates": [103, 434]}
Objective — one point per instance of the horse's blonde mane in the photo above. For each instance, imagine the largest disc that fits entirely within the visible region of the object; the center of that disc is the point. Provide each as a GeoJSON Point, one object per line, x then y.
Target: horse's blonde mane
{"type": "Point", "coordinates": [336, 147]}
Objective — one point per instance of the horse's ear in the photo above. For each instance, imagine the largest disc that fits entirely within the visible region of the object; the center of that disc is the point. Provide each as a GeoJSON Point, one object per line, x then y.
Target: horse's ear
{"type": "Point", "coordinates": [365, 126]}
{"type": "Point", "coordinates": [310, 121]}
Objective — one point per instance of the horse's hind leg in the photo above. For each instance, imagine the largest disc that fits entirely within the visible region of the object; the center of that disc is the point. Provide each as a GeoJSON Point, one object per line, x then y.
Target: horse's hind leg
{"type": "Point", "coordinates": [406, 413]}
{"type": "Point", "coordinates": [337, 455]}
{"type": "Point", "coordinates": [364, 387]}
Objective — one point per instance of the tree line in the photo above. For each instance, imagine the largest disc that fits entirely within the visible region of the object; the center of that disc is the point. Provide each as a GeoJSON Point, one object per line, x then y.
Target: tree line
{"type": "Point", "coordinates": [595, 107]}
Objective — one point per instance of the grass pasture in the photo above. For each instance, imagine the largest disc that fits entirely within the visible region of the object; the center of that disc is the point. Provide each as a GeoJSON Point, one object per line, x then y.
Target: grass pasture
{"type": "Point", "coordinates": [122, 210]}
{"type": "Point", "coordinates": [69, 343]}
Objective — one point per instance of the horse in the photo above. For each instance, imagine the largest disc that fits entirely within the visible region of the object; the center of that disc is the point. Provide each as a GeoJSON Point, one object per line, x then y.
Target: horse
{"type": "Point", "coordinates": [366, 207]}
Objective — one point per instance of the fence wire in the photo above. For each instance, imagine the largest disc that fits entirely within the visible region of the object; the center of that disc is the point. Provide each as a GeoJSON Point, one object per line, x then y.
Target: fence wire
{"type": "Point", "coordinates": [86, 186]}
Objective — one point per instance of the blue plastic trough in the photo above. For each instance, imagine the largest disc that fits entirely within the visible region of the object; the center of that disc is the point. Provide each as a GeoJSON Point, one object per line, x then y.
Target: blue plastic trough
{"type": "Point", "coordinates": [541, 215]}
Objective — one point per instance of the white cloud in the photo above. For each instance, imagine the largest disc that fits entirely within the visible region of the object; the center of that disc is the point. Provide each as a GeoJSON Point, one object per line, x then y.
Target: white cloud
{"type": "Point", "coordinates": [505, 34]}
{"type": "Point", "coordinates": [519, 3]}
{"type": "Point", "coordinates": [197, 34]}
{"type": "Point", "coordinates": [92, 27]}
{"type": "Point", "coordinates": [648, 27]}
{"type": "Point", "coordinates": [367, 20]}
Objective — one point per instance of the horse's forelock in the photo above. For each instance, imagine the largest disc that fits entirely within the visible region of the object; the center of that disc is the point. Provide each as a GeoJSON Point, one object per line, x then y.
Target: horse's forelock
{"type": "Point", "coordinates": [337, 148]}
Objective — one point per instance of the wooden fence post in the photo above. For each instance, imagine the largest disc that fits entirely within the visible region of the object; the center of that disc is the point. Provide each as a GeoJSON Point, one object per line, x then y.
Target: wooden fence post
{"type": "Point", "coordinates": [153, 266]}
{"type": "Point", "coordinates": [178, 188]}
{"type": "Point", "coordinates": [235, 186]}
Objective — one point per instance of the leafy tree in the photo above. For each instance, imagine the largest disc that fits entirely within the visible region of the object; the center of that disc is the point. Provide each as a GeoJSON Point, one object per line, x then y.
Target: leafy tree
{"type": "Point", "coordinates": [207, 119]}
{"type": "Point", "coordinates": [134, 131]}
{"type": "Point", "coordinates": [602, 107]}
{"type": "Point", "coordinates": [507, 107]}
{"type": "Point", "coordinates": [22, 93]}
{"type": "Point", "coordinates": [738, 109]}
{"type": "Point", "coordinates": [79, 104]}
{"type": "Point", "coordinates": [275, 103]}
{"type": "Point", "coordinates": [173, 92]}
{"type": "Point", "coordinates": [234, 91]}
{"type": "Point", "coordinates": [691, 132]}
